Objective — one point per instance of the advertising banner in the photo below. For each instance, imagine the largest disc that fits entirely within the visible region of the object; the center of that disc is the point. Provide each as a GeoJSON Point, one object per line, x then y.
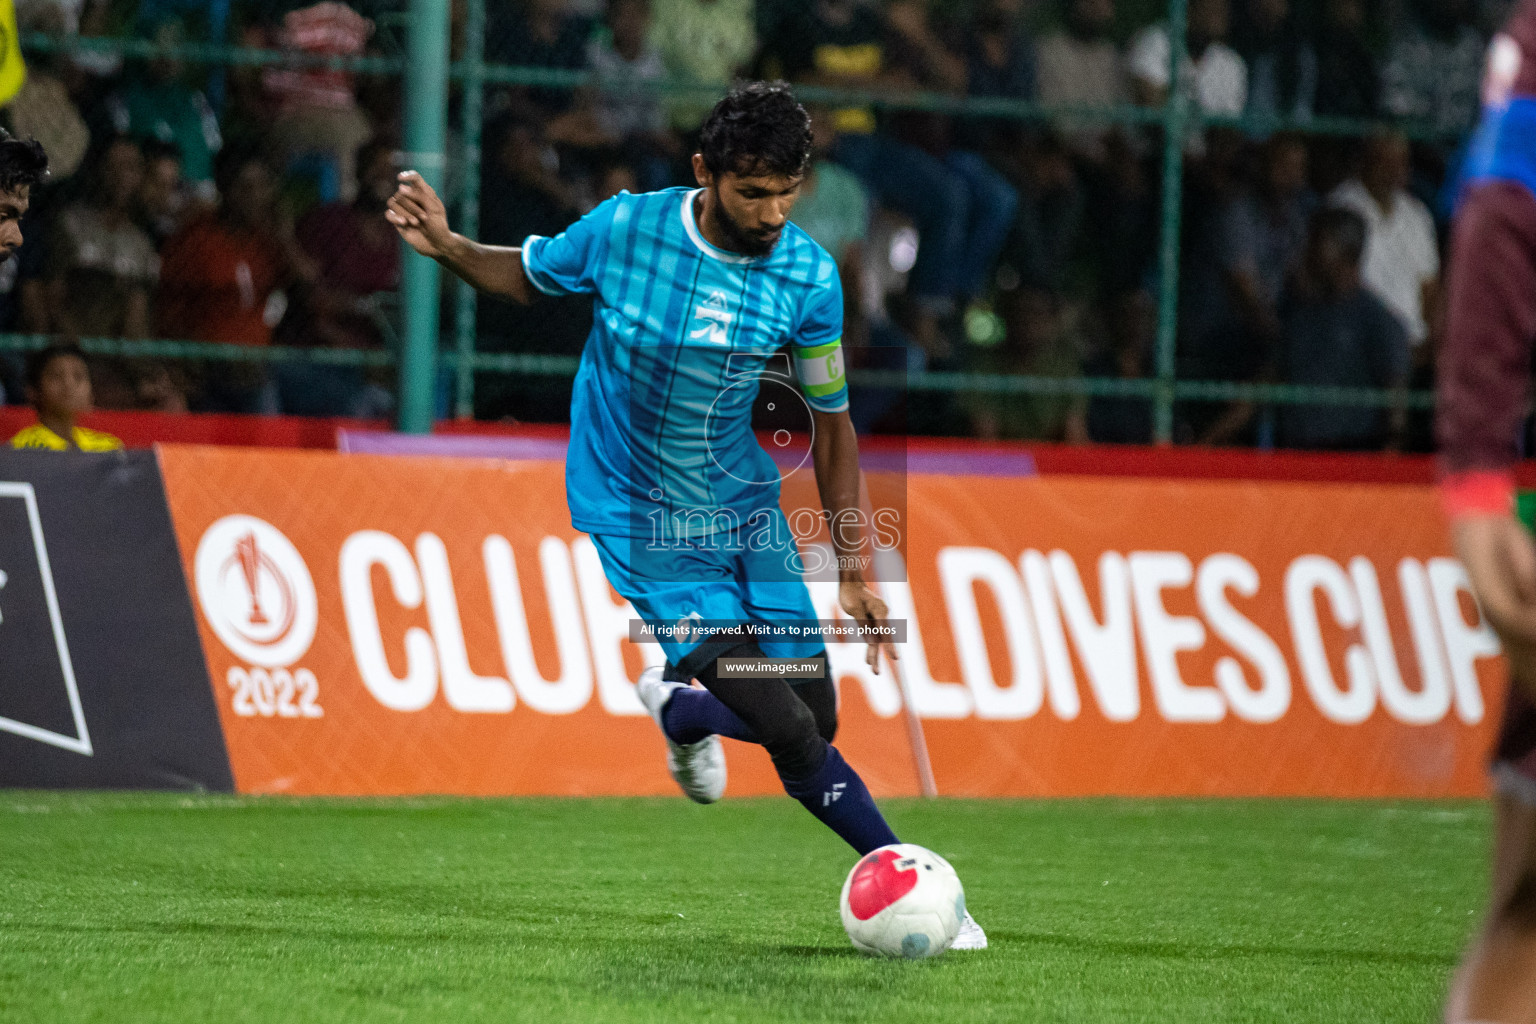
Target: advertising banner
{"type": "Point", "coordinates": [380, 624]}
{"type": "Point", "coordinates": [403, 625]}
{"type": "Point", "coordinates": [1089, 635]}
{"type": "Point", "coordinates": [102, 680]}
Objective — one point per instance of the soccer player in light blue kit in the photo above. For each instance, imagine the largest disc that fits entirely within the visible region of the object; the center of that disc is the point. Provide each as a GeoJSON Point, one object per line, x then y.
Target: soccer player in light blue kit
{"type": "Point", "coordinates": [694, 290]}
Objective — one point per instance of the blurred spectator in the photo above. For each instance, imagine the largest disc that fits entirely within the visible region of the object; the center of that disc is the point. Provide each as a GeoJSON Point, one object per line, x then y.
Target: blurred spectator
{"type": "Point", "coordinates": [1347, 77]}
{"type": "Point", "coordinates": [156, 104]}
{"type": "Point", "coordinates": [922, 57]}
{"type": "Point", "coordinates": [540, 34]}
{"type": "Point", "coordinates": [1000, 56]}
{"type": "Point", "coordinates": [1000, 63]}
{"type": "Point", "coordinates": [222, 278]}
{"type": "Point", "coordinates": [1266, 233]}
{"type": "Point", "coordinates": [99, 271]}
{"type": "Point", "coordinates": [163, 203]}
{"type": "Point", "coordinates": [1239, 266]}
{"type": "Point", "coordinates": [76, 17]}
{"type": "Point", "coordinates": [522, 194]}
{"type": "Point", "coordinates": [43, 109]}
{"type": "Point", "coordinates": [614, 177]}
{"type": "Point", "coordinates": [703, 42]}
{"type": "Point", "coordinates": [622, 114]}
{"type": "Point", "coordinates": [1434, 66]}
{"type": "Point", "coordinates": [962, 208]}
{"type": "Point", "coordinates": [1226, 326]}
{"type": "Point", "coordinates": [625, 62]}
{"type": "Point", "coordinates": [1050, 216]}
{"type": "Point", "coordinates": [1337, 334]}
{"type": "Point", "coordinates": [1282, 66]}
{"type": "Point", "coordinates": [59, 389]}
{"type": "Point", "coordinates": [100, 266]}
{"type": "Point", "coordinates": [356, 256]}
{"type": "Point", "coordinates": [1402, 258]}
{"type": "Point", "coordinates": [1113, 419]}
{"type": "Point", "coordinates": [1080, 65]}
{"type": "Point", "coordinates": [318, 127]}
{"type": "Point", "coordinates": [204, 19]}
{"type": "Point", "coordinates": [837, 43]}
{"type": "Point", "coordinates": [1216, 78]}
{"type": "Point", "coordinates": [1003, 65]}
{"type": "Point", "coordinates": [834, 210]}
{"type": "Point", "coordinates": [1039, 341]}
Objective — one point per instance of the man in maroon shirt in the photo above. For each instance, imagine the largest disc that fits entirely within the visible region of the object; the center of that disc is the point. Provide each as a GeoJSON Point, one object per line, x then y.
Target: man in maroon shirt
{"type": "Point", "coordinates": [1485, 371]}
{"type": "Point", "coordinates": [356, 258]}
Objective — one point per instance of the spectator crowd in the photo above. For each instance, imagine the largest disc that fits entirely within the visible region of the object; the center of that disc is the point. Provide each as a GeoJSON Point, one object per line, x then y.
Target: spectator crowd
{"type": "Point", "coordinates": [243, 205]}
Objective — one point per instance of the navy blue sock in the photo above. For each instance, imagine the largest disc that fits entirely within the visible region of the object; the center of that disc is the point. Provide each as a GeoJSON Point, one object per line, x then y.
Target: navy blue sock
{"type": "Point", "coordinates": [839, 798]}
{"type": "Point", "coordinates": [693, 714]}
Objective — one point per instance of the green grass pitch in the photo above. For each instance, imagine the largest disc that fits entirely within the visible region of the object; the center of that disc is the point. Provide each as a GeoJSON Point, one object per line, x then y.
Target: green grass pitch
{"type": "Point", "coordinates": [127, 908]}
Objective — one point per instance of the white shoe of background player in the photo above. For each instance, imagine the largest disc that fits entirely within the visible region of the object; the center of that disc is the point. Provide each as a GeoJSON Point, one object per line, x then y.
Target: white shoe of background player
{"type": "Point", "coordinates": [697, 768]}
{"type": "Point", "coordinates": [971, 936]}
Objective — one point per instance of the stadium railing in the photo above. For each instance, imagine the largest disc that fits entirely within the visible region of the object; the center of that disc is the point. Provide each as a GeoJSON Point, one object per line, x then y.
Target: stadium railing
{"type": "Point", "coordinates": [1177, 118]}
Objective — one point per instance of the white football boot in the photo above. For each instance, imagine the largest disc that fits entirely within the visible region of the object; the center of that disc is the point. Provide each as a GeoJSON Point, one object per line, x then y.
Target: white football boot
{"type": "Point", "coordinates": [697, 768]}
{"type": "Point", "coordinates": [971, 936]}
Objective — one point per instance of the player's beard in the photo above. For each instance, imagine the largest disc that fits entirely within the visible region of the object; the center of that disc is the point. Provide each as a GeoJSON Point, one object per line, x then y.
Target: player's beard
{"type": "Point", "coordinates": [740, 239]}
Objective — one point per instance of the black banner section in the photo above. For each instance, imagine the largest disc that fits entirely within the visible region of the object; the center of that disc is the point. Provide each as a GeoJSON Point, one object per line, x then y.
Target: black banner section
{"type": "Point", "coordinates": [102, 677]}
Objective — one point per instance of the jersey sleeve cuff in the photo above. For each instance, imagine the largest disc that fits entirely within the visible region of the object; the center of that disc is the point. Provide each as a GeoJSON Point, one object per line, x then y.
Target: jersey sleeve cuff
{"type": "Point", "coordinates": [1478, 492]}
{"type": "Point", "coordinates": [832, 403]}
{"type": "Point", "coordinates": [534, 276]}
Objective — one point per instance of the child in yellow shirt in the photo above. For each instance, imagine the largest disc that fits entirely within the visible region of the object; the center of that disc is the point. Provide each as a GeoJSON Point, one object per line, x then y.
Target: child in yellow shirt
{"type": "Point", "coordinates": [59, 388]}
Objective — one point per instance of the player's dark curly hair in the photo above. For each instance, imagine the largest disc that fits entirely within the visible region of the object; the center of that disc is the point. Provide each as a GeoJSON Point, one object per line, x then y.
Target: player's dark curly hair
{"type": "Point", "coordinates": [22, 162]}
{"type": "Point", "coordinates": [759, 128]}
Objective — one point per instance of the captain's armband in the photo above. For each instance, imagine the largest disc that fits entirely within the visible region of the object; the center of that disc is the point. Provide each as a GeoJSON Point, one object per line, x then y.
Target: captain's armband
{"type": "Point", "coordinates": [822, 380]}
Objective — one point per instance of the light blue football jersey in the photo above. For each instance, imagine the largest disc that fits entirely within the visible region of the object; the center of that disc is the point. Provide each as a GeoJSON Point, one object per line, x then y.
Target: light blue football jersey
{"type": "Point", "coordinates": [661, 431]}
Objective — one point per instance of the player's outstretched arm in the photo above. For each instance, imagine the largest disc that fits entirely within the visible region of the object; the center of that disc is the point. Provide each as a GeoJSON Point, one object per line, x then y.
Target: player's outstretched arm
{"type": "Point", "coordinates": [835, 452]}
{"type": "Point", "coordinates": [419, 215]}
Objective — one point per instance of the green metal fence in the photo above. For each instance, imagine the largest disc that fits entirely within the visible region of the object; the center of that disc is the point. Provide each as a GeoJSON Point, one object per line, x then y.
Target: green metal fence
{"type": "Point", "coordinates": [428, 73]}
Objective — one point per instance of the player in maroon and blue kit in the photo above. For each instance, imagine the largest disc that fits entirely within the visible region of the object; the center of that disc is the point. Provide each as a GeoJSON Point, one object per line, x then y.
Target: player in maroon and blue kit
{"type": "Point", "coordinates": [1485, 374]}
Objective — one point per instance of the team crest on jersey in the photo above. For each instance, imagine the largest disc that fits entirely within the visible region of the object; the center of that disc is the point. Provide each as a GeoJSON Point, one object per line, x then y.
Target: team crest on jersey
{"type": "Point", "coordinates": [712, 320]}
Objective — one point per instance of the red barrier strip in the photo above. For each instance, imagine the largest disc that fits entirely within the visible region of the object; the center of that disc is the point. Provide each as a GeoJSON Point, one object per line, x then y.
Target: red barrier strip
{"type": "Point", "coordinates": [143, 429]}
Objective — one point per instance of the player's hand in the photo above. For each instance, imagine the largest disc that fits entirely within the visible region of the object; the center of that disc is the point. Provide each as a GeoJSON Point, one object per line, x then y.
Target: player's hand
{"type": "Point", "coordinates": [419, 215]}
{"type": "Point", "coordinates": [865, 607]}
{"type": "Point", "coordinates": [1500, 559]}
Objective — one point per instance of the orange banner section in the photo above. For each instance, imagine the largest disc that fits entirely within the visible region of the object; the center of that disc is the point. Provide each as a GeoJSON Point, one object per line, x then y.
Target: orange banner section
{"type": "Point", "coordinates": [407, 625]}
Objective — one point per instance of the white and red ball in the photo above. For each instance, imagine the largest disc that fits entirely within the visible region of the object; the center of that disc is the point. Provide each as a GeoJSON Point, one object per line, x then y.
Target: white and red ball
{"type": "Point", "coordinates": [902, 901]}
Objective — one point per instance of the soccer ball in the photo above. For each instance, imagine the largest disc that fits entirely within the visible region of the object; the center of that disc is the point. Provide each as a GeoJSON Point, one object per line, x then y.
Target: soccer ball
{"type": "Point", "coordinates": [902, 901]}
